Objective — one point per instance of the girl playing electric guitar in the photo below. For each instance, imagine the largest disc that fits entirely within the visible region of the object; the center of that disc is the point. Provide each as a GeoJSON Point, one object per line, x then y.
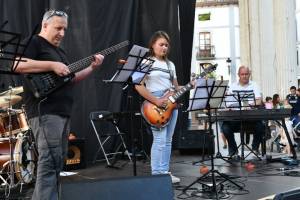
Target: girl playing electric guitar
{"type": "Point", "coordinates": [161, 78]}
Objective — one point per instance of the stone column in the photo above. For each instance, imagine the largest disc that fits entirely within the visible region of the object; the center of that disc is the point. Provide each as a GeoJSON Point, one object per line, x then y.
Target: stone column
{"type": "Point", "coordinates": [266, 48]}
{"type": "Point", "coordinates": [285, 62]}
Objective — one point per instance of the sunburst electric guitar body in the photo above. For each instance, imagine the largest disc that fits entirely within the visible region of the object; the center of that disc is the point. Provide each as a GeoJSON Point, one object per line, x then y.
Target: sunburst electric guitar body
{"type": "Point", "coordinates": [159, 117]}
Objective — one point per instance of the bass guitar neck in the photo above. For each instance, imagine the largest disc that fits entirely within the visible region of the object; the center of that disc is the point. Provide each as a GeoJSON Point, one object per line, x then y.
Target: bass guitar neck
{"type": "Point", "coordinates": [43, 84]}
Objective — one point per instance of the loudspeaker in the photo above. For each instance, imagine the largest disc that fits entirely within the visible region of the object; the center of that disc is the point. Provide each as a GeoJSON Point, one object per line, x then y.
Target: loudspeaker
{"type": "Point", "coordinates": [158, 187]}
{"type": "Point", "coordinates": [196, 140]}
{"type": "Point", "coordinates": [75, 155]}
{"type": "Point", "coordinates": [289, 195]}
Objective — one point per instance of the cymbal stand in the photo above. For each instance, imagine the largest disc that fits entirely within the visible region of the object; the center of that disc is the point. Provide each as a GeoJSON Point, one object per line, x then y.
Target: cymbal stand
{"type": "Point", "coordinates": [11, 173]}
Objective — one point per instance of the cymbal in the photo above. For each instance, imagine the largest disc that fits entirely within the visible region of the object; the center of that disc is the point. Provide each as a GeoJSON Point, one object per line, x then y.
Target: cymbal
{"type": "Point", "coordinates": [12, 91]}
{"type": "Point", "coordinates": [9, 100]}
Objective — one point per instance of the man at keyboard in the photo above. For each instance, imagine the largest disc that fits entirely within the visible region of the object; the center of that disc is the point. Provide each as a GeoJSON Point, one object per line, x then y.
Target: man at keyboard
{"type": "Point", "coordinates": [244, 84]}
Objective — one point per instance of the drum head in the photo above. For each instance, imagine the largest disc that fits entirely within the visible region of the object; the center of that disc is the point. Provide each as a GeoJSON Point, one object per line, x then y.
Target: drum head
{"type": "Point", "coordinates": [24, 159]}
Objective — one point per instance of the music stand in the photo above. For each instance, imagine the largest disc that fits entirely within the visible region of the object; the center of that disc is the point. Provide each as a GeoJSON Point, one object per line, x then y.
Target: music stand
{"type": "Point", "coordinates": [11, 48]}
{"type": "Point", "coordinates": [241, 100]}
{"type": "Point", "coordinates": [132, 73]}
{"type": "Point", "coordinates": [209, 95]}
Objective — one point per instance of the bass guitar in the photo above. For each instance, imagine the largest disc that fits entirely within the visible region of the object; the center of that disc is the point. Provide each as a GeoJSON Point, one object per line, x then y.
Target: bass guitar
{"type": "Point", "coordinates": [159, 117]}
{"type": "Point", "coordinates": [43, 84]}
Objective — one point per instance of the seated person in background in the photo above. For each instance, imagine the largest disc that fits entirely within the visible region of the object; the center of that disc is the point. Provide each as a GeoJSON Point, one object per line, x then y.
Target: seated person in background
{"type": "Point", "coordinates": [268, 103]}
{"type": "Point", "coordinates": [278, 131]}
{"type": "Point", "coordinates": [291, 99]}
{"type": "Point", "coordinates": [295, 112]}
{"type": "Point", "coordinates": [230, 127]}
{"type": "Point", "coordinates": [277, 102]}
{"type": "Point", "coordinates": [295, 119]}
{"type": "Point", "coordinates": [297, 94]}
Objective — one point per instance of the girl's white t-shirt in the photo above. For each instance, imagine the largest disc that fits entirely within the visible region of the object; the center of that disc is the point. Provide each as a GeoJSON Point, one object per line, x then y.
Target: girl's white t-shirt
{"type": "Point", "coordinates": [159, 77]}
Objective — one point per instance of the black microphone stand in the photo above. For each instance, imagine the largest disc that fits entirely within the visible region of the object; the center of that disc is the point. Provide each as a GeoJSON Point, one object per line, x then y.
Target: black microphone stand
{"type": "Point", "coordinates": [132, 73]}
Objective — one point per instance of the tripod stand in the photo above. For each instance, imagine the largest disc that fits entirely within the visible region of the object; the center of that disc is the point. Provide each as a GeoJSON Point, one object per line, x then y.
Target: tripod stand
{"type": "Point", "coordinates": [218, 153]}
{"type": "Point", "coordinates": [143, 128]}
{"type": "Point", "coordinates": [132, 73]}
{"type": "Point", "coordinates": [218, 94]}
{"type": "Point", "coordinates": [241, 99]}
{"type": "Point", "coordinates": [208, 96]}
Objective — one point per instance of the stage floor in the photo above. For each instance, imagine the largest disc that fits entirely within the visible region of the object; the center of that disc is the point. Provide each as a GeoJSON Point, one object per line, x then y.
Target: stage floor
{"type": "Point", "coordinates": [264, 180]}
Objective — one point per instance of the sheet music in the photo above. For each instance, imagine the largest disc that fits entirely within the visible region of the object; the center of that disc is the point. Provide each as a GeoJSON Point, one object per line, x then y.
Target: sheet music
{"type": "Point", "coordinates": [204, 90]}
{"type": "Point", "coordinates": [135, 58]}
{"type": "Point", "coordinates": [246, 97]}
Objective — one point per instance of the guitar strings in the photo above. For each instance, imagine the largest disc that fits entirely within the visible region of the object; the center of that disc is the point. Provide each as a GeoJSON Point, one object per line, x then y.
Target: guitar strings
{"type": "Point", "coordinates": [85, 61]}
{"type": "Point", "coordinates": [77, 65]}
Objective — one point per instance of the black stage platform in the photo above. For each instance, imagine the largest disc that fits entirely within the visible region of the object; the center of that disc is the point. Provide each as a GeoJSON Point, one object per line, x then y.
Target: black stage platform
{"type": "Point", "coordinates": [266, 178]}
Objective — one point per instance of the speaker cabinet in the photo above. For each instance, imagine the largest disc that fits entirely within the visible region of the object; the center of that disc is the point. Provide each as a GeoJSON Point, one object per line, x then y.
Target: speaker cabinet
{"type": "Point", "coordinates": [157, 187]}
{"type": "Point", "coordinates": [289, 195]}
{"type": "Point", "coordinates": [75, 155]}
{"type": "Point", "coordinates": [197, 140]}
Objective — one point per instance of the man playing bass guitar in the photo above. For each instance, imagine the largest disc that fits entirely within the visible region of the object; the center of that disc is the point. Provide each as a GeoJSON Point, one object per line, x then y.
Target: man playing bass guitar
{"type": "Point", "coordinates": [49, 118]}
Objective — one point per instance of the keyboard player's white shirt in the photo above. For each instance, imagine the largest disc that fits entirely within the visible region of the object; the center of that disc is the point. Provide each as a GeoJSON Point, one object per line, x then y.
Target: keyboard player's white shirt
{"type": "Point", "coordinates": [250, 86]}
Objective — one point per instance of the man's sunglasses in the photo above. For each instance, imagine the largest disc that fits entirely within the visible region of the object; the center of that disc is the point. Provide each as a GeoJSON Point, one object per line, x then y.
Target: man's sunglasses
{"type": "Point", "coordinates": [56, 13]}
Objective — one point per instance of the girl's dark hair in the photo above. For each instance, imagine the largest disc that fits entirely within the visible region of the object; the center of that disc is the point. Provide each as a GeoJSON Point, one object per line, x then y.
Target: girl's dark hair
{"type": "Point", "coordinates": [154, 38]}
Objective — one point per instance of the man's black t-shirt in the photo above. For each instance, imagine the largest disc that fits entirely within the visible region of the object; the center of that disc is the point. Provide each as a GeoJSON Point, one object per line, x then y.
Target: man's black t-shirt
{"type": "Point", "coordinates": [59, 102]}
{"type": "Point", "coordinates": [292, 99]}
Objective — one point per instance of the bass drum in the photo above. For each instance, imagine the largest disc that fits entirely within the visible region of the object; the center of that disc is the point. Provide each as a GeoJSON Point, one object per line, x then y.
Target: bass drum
{"type": "Point", "coordinates": [25, 159]}
{"type": "Point", "coordinates": [4, 153]}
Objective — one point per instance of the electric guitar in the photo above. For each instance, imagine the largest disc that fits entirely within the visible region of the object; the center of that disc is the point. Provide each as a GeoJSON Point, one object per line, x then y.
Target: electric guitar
{"type": "Point", "coordinates": [43, 84]}
{"type": "Point", "coordinates": [159, 117]}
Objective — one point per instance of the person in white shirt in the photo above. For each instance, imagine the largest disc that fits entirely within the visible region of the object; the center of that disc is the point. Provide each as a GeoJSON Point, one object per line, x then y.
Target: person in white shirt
{"type": "Point", "coordinates": [230, 127]}
{"type": "Point", "coordinates": [162, 77]}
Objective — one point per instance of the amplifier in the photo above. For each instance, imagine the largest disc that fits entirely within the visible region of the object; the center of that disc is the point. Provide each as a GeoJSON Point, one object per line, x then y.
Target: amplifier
{"type": "Point", "coordinates": [197, 140]}
{"type": "Point", "coordinates": [75, 155]}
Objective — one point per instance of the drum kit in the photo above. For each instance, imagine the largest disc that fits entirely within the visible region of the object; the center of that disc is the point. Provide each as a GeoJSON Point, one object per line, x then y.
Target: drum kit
{"type": "Point", "coordinates": [17, 151]}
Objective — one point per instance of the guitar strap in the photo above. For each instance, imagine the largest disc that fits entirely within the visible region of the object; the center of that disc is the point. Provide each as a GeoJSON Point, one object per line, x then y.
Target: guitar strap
{"type": "Point", "coordinates": [171, 72]}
